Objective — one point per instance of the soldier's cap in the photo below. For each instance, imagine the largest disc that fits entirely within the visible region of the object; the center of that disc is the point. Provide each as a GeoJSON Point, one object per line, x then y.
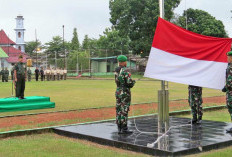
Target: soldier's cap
{"type": "Point", "coordinates": [229, 53]}
{"type": "Point", "coordinates": [122, 58]}
{"type": "Point", "coordinates": [20, 56]}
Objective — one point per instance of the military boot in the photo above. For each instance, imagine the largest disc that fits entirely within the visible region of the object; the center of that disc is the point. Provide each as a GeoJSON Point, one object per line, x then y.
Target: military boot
{"type": "Point", "coordinates": [199, 120]}
{"type": "Point", "coordinates": [125, 130]}
{"type": "Point", "coordinates": [229, 130]}
{"type": "Point", "coordinates": [119, 129]}
{"type": "Point", "coordinates": [193, 121]}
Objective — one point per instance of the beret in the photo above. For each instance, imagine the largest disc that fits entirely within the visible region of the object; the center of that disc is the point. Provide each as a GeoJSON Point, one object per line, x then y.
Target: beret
{"type": "Point", "coordinates": [122, 58]}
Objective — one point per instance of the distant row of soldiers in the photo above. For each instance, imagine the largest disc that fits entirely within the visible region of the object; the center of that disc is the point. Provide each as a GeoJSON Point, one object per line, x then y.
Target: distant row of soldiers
{"type": "Point", "coordinates": [48, 74]}
{"type": "Point", "coordinates": [4, 75]}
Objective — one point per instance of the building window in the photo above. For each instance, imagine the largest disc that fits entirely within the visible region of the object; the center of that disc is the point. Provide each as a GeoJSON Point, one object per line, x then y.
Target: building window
{"type": "Point", "coordinates": [20, 48]}
{"type": "Point", "coordinates": [19, 34]}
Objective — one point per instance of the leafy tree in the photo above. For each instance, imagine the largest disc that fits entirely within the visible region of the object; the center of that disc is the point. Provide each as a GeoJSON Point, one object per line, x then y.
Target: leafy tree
{"type": "Point", "coordinates": [31, 47]}
{"type": "Point", "coordinates": [83, 60]}
{"type": "Point", "coordinates": [89, 43]}
{"type": "Point", "coordinates": [113, 42]}
{"type": "Point", "coordinates": [75, 45]}
{"type": "Point", "coordinates": [202, 22]}
{"type": "Point", "coordinates": [56, 48]}
{"type": "Point", "coordinates": [137, 20]}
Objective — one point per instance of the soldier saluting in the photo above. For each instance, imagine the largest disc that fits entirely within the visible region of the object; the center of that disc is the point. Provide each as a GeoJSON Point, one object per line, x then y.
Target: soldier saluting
{"type": "Point", "coordinates": [123, 94]}
{"type": "Point", "coordinates": [20, 76]}
{"type": "Point", "coordinates": [228, 86]}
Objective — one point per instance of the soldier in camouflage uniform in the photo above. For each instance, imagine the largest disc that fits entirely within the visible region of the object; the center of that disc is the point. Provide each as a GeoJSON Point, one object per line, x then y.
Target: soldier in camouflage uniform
{"type": "Point", "coordinates": [228, 87]}
{"type": "Point", "coordinates": [29, 74]}
{"type": "Point", "coordinates": [2, 73]}
{"type": "Point", "coordinates": [123, 94]}
{"type": "Point", "coordinates": [12, 72]}
{"type": "Point", "coordinates": [195, 102]}
{"type": "Point", "coordinates": [20, 76]}
{"type": "Point", "coordinates": [6, 74]}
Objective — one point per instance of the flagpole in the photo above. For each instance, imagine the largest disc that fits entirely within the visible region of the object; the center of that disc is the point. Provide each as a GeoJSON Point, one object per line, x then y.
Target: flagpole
{"type": "Point", "coordinates": [163, 96]}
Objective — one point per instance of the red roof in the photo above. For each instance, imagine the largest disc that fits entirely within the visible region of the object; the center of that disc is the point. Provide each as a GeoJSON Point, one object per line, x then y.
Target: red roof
{"type": "Point", "coordinates": [13, 54]}
{"type": "Point", "coordinates": [4, 38]}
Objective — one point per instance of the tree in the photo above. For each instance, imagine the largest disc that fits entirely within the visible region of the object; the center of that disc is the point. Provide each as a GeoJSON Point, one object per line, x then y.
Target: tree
{"type": "Point", "coordinates": [113, 42]}
{"type": "Point", "coordinates": [75, 45]}
{"type": "Point", "coordinates": [83, 60]}
{"type": "Point", "coordinates": [55, 48]}
{"type": "Point", "coordinates": [31, 47]}
{"type": "Point", "coordinates": [137, 20]}
{"type": "Point", "coordinates": [89, 43]}
{"type": "Point", "coordinates": [202, 22]}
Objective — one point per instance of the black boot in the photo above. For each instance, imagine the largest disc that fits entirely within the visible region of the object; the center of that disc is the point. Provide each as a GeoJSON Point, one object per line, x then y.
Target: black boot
{"type": "Point", "coordinates": [199, 120]}
{"type": "Point", "coordinates": [119, 129]}
{"type": "Point", "coordinates": [229, 130]}
{"type": "Point", "coordinates": [125, 130]}
{"type": "Point", "coordinates": [193, 121]}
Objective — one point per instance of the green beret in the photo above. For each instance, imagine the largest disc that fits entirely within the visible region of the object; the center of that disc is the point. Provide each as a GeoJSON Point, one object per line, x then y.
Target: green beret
{"type": "Point", "coordinates": [20, 56]}
{"type": "Point", "coordinates": [229, 53]}
{"type": "Point", "coordinates": [122, 58]}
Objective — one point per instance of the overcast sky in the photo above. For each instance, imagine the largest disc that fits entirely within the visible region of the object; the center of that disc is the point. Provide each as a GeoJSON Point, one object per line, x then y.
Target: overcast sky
{"type": "Point", "coordinates": [88, 16]}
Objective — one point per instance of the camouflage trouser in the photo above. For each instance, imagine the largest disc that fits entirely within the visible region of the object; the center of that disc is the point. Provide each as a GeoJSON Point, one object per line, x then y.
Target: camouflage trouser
{"type": "Point", "coordinates": [29, 77]}
{"type": "Point", "coordinates": [123, 100]}
{"type": "Point", "coordinates": [195, 102]}
{"type": "Point", "coordinates": [229, 102]}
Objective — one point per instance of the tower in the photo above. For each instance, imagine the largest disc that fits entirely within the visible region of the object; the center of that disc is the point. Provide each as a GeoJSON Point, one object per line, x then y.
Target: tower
{"type": "Point", "coordinates": [20, 44]}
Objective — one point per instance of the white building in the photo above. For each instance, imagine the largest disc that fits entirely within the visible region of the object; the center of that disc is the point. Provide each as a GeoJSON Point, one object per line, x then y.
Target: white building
{"type": "Point", "coordinates": [19, 30]}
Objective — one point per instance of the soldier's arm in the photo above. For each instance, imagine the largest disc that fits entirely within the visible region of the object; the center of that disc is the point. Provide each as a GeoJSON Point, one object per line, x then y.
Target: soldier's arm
{"type": "Point", "coordinates": [129, 81]}
{"type": "Point", "coordinates": [229, 80]}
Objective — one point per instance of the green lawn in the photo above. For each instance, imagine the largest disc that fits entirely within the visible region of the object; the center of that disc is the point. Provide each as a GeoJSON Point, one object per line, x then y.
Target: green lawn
{"type": "Point", "coordinates": [77, 94]}
{"type": "Point", "coordinates": [51, 145]}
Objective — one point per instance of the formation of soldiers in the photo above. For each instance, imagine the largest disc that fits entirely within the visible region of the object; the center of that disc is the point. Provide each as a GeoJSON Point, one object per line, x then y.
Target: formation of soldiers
{"type": "Point", "coordinates": [49, 74]}
{"type": "Point", "coordinates": [4, 75]}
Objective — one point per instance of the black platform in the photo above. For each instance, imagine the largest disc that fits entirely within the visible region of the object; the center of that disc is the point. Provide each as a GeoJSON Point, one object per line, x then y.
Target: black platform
{"type": "Point", "coordinates": [179, 140]}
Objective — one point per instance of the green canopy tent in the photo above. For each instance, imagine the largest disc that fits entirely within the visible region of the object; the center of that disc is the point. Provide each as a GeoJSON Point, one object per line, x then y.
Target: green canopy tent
{"type": "Point", "coordinates": [3, 54]}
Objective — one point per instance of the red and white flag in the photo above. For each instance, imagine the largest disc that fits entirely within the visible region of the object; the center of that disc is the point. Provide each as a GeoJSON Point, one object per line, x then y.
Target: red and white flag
{"type": "Point", "coordinates": [181, 56]}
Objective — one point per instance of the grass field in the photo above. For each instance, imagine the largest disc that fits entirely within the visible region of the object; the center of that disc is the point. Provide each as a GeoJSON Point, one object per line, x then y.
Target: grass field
{"type": "Point", "coordinates": [51, 145]}
{"type": "Point", "coordinates": [78, 94]}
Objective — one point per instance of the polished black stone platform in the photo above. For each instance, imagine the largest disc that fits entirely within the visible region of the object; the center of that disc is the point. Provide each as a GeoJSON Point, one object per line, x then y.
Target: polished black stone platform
{"type": "Point", "coordinates": [182, 139]}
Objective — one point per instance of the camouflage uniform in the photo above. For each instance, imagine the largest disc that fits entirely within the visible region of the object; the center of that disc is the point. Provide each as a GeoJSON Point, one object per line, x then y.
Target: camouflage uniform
{"type": "Point", "coordinates": [228, 88]}
{"type": "Point", "coordinates": [123, 95]}
{"type": "Point", "coordinates": [2, 73]}
{"type": "Point", "coordinates": [12, 73]}
{"type": "Point", "coordinates": [29, 75]}
{"type": "Point", "coordinates": [195, 101]}
{"type": "Point", "coordinates": [6, 75]}
{"type": "Point", "coordinates": [20, 69]}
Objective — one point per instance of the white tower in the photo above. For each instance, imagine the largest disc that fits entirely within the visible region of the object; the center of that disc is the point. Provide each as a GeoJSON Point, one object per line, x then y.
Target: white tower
{"type": "Point", "coordinates": [20, 44]}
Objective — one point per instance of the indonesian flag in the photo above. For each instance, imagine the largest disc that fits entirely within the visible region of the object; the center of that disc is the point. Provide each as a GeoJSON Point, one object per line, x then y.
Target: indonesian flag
{"type": "Point", "coordinates": [181, 56]}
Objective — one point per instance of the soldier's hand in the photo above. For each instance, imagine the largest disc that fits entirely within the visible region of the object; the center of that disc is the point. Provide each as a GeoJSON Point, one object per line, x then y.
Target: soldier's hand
{"type": "Point", "coordinates": [16, 80]}
{"type": "Point", "coordinates": [224, 89]}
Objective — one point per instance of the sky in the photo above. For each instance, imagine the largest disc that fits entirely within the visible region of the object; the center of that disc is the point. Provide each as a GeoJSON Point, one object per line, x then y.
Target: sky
{"type": "Point", "coordinates": [89, 16]}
